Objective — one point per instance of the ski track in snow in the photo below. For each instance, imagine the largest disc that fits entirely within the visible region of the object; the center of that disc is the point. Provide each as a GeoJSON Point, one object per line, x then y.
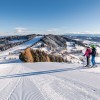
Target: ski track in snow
{"type": "Point", "coordinates": [43, 87]}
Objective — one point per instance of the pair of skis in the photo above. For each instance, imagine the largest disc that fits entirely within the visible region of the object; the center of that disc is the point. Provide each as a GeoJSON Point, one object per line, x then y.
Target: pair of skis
{"type": "Point", "coordinates": [90, 66]}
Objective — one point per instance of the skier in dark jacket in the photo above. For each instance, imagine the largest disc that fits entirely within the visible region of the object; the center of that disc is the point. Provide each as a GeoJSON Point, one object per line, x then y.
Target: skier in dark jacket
{"type": "Point", "coordinates": [93, 54]}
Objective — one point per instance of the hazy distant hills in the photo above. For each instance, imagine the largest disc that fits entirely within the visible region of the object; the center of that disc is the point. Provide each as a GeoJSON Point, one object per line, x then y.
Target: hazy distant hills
{"type": "Point", "coordinates": [85, 34]}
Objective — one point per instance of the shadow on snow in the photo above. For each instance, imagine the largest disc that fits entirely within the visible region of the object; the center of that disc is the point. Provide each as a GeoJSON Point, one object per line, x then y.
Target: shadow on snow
{"type": "Point", "coordinates": [39, 73]}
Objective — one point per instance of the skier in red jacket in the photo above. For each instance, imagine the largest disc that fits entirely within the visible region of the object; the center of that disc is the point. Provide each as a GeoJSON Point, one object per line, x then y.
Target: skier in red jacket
{"type": "Point", "coordinates": [87, 54]}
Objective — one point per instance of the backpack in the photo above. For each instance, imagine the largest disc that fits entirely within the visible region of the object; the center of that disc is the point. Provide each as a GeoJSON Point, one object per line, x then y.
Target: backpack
{"type": "Point", "coordinates": [93, 52]}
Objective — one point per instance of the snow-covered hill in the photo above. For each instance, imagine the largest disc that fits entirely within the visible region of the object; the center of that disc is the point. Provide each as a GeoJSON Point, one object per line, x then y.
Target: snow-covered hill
{"type": "Point", "coordinates": [12, 54]}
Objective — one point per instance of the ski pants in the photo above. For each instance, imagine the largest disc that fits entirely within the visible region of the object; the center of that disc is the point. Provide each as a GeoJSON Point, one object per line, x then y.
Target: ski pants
{"type": "Point", "coordinates": [88, 60]}
{"type": "Point", "coordinates": [93, 60]}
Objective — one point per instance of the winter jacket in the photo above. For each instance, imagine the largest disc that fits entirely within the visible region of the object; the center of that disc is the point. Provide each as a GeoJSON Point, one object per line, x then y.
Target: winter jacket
{"type": "Point", "coordinates": [93, 52]}
{"type": "Point", "coordinates": [88, 52]}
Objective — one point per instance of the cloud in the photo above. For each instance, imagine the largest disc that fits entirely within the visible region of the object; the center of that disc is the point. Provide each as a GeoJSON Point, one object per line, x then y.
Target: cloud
{"type": "Point", "coordinates": [20, 30]}
{"type": "Point", "coordinates": [52, 31]}
{"type": "Point", "coordinates": [85, 32]}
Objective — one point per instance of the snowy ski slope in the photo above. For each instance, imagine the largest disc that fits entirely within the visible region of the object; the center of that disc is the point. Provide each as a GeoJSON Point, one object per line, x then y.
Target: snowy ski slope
{"type": "Point", "coordinates": [48, 81]}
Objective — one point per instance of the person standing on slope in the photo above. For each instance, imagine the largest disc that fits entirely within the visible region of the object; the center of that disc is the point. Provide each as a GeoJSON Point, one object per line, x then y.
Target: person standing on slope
{"type": "Point", "coordinates": [87, 54]}
{"type": "Point", "coordinates": [93, 54]}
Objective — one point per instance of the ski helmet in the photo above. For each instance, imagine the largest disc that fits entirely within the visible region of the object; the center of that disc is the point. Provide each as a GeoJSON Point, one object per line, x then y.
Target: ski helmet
{"type": "Point", "coordinates": [93, 46]}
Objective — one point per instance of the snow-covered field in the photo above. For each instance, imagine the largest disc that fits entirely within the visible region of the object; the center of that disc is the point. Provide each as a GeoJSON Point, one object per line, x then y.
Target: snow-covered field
{"type": "Point", "coordinates": [48, 81]}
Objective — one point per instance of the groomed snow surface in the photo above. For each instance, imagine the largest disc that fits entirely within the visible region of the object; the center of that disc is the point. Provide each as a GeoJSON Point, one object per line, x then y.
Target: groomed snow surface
{"type": "Point", "coordinates": [48, 81]}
